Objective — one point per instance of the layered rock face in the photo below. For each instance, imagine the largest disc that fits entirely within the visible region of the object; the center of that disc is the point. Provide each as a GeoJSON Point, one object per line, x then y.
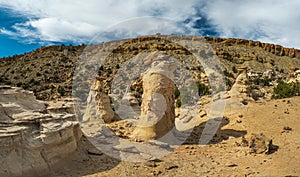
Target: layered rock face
{"type": "Point", "coordinates": [33, 136]}
{"type": "Point", "coordinates": [272, 48]}
{"type": "Point", "coordinates": [158, 110]}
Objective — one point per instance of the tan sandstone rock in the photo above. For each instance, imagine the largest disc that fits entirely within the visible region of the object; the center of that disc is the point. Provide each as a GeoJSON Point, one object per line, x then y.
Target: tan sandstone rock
{"type": "Point", "coordinates": [158, 110]}
{"type": "Point", "coordinates": [259, 144]}
{"type": "Point", "coordinates": [98, 104]}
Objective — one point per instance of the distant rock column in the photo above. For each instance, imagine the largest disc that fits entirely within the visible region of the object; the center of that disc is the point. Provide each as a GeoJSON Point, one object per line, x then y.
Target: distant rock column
{"type": "Point", "coordinates": [98, 104]}
{"type": "Point", "coordinates": [103, 103]}
{"type": "Point", "coordinates": [158, 110]}
{"type": "Point", "coordinates": [240, 85]}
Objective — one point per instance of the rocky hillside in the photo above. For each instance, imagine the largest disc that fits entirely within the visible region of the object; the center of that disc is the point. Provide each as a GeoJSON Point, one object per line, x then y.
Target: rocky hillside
{"type": "Point", "coordinates": [48, 71]}
{"type": "Point", "coordinates": [254, 136]}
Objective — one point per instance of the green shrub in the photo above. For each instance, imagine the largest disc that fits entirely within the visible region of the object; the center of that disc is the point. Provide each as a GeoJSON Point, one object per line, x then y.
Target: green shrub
{"type": "Point", "coordinates": [177, 93]}
{"type": "Point", "coordinates": [202, 89]}
{"type": "Point", "coordinates": [229, 83]}
{"type": "Point", "coordinates": [34, 82]}
{"type": "Point", "coordinates": [234, 69]}
{"type": "Point", "coordinates": [109, 71]}
{"type": "Point", "coordinates": [61, 90]}
{"type": "Point", "coordinates": [25, 86]}
{"type": "Point", "coordinates": [228, 74]}
{"type": "Point", "coordinates": [286, 90]}
{"type": "Point", "coordinates": [5, 81]}
{"type": "Point", "coordinates": [139, 90]}
{"type": "Point", "coordinates": [261, 81]}
{"type": "Point", "coordinates": [178, 103]}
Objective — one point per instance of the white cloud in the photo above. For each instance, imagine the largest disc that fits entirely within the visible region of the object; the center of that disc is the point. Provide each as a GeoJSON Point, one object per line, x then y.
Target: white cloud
{"type": "Point", "coordinates": [272, 21]}
{"type": "Point", "coordinates": [72, 20]}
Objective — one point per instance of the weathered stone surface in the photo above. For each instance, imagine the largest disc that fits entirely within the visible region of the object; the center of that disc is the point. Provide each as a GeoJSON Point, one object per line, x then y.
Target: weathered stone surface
{"type": "Point", "coordinates": [240, 86]}
{"type": "Point", "coordinates": [275, 49]}
{"type": "Point", "coordinates": [158, 110]}
{"type": "Point", "coordinates": [98, 104]}
{"type": "Point", "coordinates": [259, 144]}
{"type": "Point", "coordinates": [129, 107]}
{"type": "Point", "coordinates": [33, 136]}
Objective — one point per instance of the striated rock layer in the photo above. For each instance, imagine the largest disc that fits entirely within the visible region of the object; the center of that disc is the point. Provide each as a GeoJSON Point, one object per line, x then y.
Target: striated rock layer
{"type": "Point", "coordinates": [33, 136]}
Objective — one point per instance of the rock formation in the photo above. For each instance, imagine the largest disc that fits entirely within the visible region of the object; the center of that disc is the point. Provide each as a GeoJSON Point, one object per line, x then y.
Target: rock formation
{"type": "Point", "coordinates": [158, 110]}
{"type": "Point", "coordinates": [272, 48]}
{"type": "Point", "coordinates": [240, 85]}
{"type": "Point", "coordinates": [33, 136]}
{"type": "Point", "coordinates": [98, 104]}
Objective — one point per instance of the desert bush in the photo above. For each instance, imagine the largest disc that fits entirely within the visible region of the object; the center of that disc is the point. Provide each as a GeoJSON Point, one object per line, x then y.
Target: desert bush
{"type": "Point", "coordinates": [34, 82]}
{"type": "Point", "coordinates": [261, 81]}
{"type": "Point", "coordinates": [25, 86]}
{"type": "Point", "coordinates": [177, 93]}
{"type": "Point", "coordinates": [178, 103]}
{"type": "Point", "coordinates": [286, 90]}
{"type": "Point", "coordinates": [61, 90]}
{"type": "Point", "coordinates": [229, 83]}
{"type": "Point", "coordinates": [234, 69]}
{"type": "Point", "coordinates": [5, 81]}
{"type": "Point", "coordinates": [228, 74]}
{"type": "Point", "coordinates": [177, 98]}
{"type": "Point", "coordinates": [202, 89]}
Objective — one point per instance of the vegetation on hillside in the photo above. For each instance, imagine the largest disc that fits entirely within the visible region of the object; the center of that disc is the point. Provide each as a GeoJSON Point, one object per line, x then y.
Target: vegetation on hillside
{"type": "Point", "coordinates": [286, 90]}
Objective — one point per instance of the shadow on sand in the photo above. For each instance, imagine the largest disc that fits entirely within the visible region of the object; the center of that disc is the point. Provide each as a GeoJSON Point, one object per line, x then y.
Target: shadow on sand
{"type": "Point", "coordinates": [89, 160]}
{"type": "Point", "coordinates": [222, 134]}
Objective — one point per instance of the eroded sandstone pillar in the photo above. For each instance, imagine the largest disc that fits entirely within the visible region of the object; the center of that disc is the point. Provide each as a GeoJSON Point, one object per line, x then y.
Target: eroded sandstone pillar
{"type": "Point", "coordinates": [98, 104]}
{"type": "Point", "coordinates": [157, 110]}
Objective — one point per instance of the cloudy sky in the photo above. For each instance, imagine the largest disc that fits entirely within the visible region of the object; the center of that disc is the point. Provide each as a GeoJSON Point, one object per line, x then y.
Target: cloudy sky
{"type": "Point", "coordinates": [29, 24]}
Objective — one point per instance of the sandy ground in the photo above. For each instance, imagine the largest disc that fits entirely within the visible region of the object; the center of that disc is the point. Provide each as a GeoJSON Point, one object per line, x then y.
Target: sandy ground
{"type": "Point", "coordinates": [277, 119]}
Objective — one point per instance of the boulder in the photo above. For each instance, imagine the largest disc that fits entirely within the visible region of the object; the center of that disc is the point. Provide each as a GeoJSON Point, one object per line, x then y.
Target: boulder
{"type": "Point", "coordinates": [259, 144]}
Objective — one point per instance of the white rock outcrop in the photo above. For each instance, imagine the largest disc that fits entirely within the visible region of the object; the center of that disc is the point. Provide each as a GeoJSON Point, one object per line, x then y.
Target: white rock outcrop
{"type": "Point", "coordinates": [33, 136]}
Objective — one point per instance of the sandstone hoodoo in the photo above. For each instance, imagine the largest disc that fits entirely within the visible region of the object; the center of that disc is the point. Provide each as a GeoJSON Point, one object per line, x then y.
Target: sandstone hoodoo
{"type": "Point", "coordinates": [98, 104]}
{"type": "Point", "coordinates": [158, 110]}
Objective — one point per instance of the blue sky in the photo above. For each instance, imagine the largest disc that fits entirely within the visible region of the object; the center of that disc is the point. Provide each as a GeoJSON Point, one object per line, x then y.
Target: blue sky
{"type": "Point", "coordinates": [29, 24]}
{"type": "Point", "coordinates": [10, 46]}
